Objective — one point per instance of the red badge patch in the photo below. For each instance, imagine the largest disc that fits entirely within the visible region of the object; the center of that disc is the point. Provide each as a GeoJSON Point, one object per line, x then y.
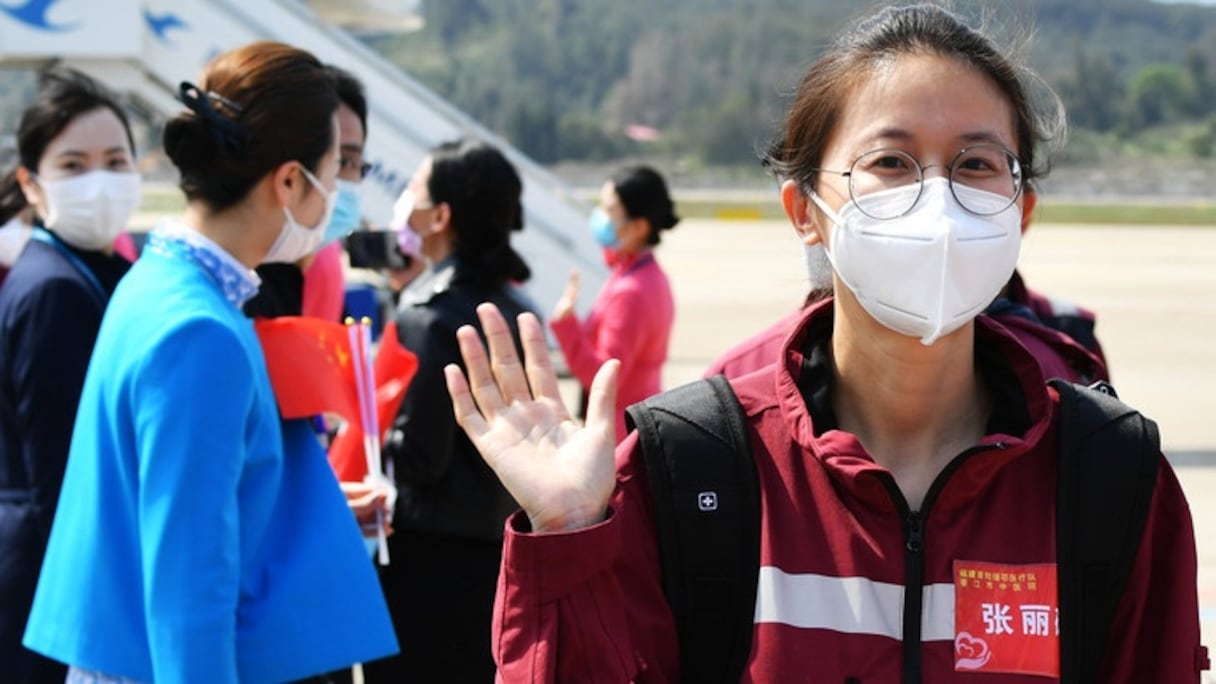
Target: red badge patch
{"type": "Point", "coordinates": [1006, 618]}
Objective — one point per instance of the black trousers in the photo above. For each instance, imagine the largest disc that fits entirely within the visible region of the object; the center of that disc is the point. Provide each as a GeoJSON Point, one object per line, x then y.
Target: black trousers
{"type": "Point", "coordinates": [440, 591]}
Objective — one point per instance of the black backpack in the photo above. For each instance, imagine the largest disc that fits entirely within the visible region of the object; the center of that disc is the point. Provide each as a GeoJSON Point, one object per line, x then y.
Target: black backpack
{"type": "Point", "coordinates": [707, 518]}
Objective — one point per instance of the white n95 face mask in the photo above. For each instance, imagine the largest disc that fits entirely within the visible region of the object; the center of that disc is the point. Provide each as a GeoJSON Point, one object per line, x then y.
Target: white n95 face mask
{"type": "Point", "coordinates": [930, 271]}
{"type": "Point", "coordinates": [296, 241]}
{"type": "Point", "coordinates": [818, 268]}
{"type": "Point", "coordinates": [90, 210]}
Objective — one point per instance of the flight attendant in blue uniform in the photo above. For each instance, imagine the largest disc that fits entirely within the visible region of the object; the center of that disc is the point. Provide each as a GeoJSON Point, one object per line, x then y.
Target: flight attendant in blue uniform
{"type": "Point", "coordinates": [189, 547]}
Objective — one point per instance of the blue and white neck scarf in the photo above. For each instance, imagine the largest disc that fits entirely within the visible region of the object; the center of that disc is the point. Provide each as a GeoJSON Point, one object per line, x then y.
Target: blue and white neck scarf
{"type": "Point", "coordinates": [173, 239]}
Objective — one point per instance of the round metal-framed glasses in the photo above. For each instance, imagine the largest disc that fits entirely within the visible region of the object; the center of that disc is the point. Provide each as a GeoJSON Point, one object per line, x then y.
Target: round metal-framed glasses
{"type": "Point", "coordinates": [988, 167]}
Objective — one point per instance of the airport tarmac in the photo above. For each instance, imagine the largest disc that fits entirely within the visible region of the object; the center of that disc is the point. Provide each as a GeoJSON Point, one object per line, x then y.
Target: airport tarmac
{"type": "Point", "coordinates": [1153, 289]}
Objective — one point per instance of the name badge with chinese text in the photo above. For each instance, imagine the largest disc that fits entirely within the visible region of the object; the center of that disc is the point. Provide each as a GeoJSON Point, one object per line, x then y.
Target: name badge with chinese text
{"type": "Point", "coordinates": [1006, 618]}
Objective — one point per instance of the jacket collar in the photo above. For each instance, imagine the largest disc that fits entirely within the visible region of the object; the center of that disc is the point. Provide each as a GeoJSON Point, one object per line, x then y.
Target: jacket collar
{"type": "Point", "coordinates": [237, 283]}
{"type": "Point", "coordinates": [623, 263]}
{"type": "Point", "coordinates": [1021, 416]}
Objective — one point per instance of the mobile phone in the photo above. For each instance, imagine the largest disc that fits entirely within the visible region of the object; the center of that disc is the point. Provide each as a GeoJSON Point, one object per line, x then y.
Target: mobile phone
{"type": "Point", "coordinates": [375, 249]}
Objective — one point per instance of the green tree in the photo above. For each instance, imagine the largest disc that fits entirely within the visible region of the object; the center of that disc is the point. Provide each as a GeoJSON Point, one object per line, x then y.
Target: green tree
{"type": "Point", "coordinates": [1203, 145]}
{"type": "Point", "coordinates": [1094, 94]}
{"type": "Point", "coordinates": [561, 78]}
{"type": "Point", "coordinates": [1161, 93]}
{"type": "Point", "coordinates": [1200, 70]}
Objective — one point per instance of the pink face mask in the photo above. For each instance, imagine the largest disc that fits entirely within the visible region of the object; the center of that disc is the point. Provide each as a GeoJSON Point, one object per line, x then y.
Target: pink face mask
{"type": "Point", "coordinates": [407, 240]}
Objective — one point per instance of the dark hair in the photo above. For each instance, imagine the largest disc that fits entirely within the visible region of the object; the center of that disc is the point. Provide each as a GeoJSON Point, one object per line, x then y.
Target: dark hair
{"type": "Point", "coordinates": [482, 190]}
{"type": "Point", "coordinates": [63, 96]}
{"type": "Point", "coordinates": [255, 108]}
{"type": "Point", "coordinates": [350, 92]}
{"type": "Point", "coordinates": [12, 199]}
{"type": "Point", "coordinates": [643, 194]}
{"type": "Point", "coordinates": [914, 29]}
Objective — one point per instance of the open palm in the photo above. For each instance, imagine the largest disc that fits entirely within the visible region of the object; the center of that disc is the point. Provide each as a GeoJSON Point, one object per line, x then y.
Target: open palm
{"type": "Point", "coordinates": [560, 472]}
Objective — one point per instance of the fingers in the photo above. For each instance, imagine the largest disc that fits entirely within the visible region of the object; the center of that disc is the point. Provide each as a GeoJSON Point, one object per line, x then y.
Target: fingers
{"type": "Point", "coordinates": [537, 364]}
{"type": "Point", "coordinates": [565, 303]}
{"type": "Point", "coordinates": [477, 367]}
{"type": "Point", "coordinates": [572, 286]}
{"type": "Point", "coordinates": [601, 398]}
{"type": "Point", "coordinates": [508, 370]}
{"type": "Point", "coordinates": [463, 406]}
{"type": "Point", "coordinates": [363, 499]}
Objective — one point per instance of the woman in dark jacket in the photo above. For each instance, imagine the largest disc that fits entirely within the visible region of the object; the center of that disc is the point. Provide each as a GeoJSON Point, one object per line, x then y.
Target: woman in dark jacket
{"type": "Point", "coordinates": [76, 169]}
{"type": "Point", "coordinates": [450, 508]}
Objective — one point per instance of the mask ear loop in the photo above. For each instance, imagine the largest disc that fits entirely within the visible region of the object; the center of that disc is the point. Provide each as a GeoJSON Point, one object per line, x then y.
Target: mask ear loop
{"type": "Point", "coordinates": [837, 224]}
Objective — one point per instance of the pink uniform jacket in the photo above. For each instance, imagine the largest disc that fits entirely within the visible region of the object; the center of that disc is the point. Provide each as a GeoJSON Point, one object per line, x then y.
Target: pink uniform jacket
{"type": "Point", "coordinates": [588, 605]}
{"type": "Point", "coordinates": [325, 284]}
{"type": "Point", "coordinates": [630, 321]}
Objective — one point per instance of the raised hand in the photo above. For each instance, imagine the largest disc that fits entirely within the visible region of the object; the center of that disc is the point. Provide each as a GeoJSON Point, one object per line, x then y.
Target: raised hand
{"type": "Point", "coordinates": [565, 303]}
{"type": "Point", "coordinates": [559, 471]}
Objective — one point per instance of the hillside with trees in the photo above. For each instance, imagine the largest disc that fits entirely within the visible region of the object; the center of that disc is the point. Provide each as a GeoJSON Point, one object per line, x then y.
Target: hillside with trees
{"type": "Point", "coordinates": [705, 80]}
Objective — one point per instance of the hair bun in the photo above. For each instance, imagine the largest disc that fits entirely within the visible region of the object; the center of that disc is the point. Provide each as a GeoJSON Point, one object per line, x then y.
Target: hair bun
{"type": "Point", "coordinates": [188, 143]}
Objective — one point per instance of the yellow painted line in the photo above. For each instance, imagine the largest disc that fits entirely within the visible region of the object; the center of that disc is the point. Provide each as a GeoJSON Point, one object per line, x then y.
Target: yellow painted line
{"type": "Point", "coordinates": [738, 214]}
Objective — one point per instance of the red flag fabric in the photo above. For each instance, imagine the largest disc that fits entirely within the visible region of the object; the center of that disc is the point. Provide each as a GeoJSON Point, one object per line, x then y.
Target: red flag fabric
{"type": "Point", "coordinates": [311, 366]}
{"type": "Point", "coordinates": [395, 367]}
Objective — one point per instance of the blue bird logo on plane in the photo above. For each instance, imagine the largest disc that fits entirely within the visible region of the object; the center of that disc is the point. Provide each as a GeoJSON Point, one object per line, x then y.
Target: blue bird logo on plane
{"type": "Point", "coordinates": [34, 14]}
{"type": "Point", "coordinates": [160, 25]}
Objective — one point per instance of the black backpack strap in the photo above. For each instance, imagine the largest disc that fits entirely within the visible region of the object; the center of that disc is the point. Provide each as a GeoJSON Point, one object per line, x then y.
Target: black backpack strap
{"type": "Point", "coordinates": [1108, 463]}
{"type": "Point", "coordinates": [706, 499]}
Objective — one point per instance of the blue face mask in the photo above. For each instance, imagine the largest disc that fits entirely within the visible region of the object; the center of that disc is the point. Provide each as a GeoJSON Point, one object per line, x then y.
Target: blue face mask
{"type": "Point", "coordinates": [603, 229]}
{"type": "Point", "coordinates": [346, 214]}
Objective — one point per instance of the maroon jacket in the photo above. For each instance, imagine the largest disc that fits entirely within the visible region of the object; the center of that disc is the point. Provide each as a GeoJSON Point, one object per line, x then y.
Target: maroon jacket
{"type": "Point", "coordinates": [588, 606]}
{"type": "Point", "coordinates": [1059, 314]}
{"type": "Point", "coordinates": [1059, 355]}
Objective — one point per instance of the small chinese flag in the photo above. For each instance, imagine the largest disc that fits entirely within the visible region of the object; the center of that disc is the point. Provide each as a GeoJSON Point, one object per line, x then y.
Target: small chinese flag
{"type": "Point", "coordinates": [394, 369]}
{"type": "Point", "coordinates": [311, 366]}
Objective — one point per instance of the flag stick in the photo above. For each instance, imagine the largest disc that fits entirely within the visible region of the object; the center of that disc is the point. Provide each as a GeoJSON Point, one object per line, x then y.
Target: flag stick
{"type": "Point", "coordinates": [372, 428]}
{"type": "Point", "coordinates": [371, 440]}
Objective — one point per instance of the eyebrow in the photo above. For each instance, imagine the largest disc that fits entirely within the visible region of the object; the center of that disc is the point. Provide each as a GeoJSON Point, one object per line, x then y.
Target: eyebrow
{"type": "Point", "coordinates": [903, 135]}
{"type": "Point", "coordinates": [982, 137]}
{"type": "Point", "coordinates": [351, 148]}
{"type": "Point", "coordinates": [117, 149]}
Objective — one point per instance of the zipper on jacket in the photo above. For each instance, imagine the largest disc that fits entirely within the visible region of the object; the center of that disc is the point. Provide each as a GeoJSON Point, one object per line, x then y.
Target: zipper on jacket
{"type": "Point", "coordinates": [914, 560]}
{"type": "Point", "coordinates": [914, 593]}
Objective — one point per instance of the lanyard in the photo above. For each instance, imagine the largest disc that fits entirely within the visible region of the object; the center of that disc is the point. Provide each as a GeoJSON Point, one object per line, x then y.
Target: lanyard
{"type": "Point", "coordinates": [42, 235]}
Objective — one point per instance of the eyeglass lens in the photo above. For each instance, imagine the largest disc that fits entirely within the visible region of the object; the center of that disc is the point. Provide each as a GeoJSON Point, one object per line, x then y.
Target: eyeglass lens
{"type": "Point", "coordinates": [990, 168]}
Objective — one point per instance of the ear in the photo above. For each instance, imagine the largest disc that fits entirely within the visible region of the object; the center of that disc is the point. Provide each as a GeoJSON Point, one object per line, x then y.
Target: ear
{"type": "Point", "coordinates": [802, 212]}
{"type": "Point", "coordinates": [285, 183]}
{"type": "Point", "coordinates": [443, 217]}
{"type": "Point", "coordinates": [634, 233]}
{"type": "Point", "coordinates": [31, 190]}
{"type": "Point", "coordinates": [1030, 199]}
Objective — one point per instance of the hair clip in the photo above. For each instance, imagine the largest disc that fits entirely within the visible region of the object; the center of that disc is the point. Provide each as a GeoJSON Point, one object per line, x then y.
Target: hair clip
{"type": "Point", "coordinates": [227, 134]}
{"type": "Point", "coordinates": [225, 101]}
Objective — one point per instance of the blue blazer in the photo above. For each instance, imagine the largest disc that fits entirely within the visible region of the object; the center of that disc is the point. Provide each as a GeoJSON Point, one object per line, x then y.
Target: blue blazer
{"type": "Point", "coordinates": [50, 309]}
{"type": "Point", "coordinates": [187, 546]}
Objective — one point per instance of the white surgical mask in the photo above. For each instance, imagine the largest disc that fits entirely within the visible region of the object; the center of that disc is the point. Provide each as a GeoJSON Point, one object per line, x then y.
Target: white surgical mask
{"type": "Point", "coordinates": [932, 270]}
{"type": "Point", "coordinates": [297, 241]}
{"type": "Point", "coordinates": [89, 210]}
